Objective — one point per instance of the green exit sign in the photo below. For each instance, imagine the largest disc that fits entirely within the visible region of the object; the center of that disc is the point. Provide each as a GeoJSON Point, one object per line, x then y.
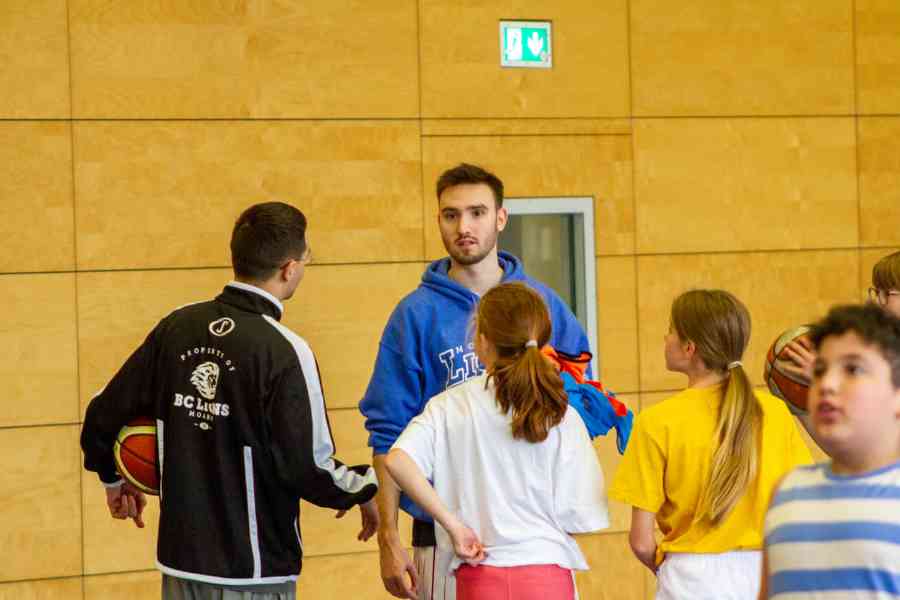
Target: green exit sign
{"type": "Point", "coordinates": [525, 44]}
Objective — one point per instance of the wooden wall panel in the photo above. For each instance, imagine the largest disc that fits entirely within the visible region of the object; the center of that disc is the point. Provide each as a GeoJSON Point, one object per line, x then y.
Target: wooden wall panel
{"type": "Point", "coordinates": [460, 60]}
{"type": "Point", "coordinates": [341, 311]}
{"type": "Point", "coordinates": [319, 105]}
{"type": "Point", "coordinates": [35, 51]}
{"type": "Point", "coordinates": [780, 290]}
{"type": "Point", "coordinates": [39, 502]}
{"type": "Point", "coordinates": [39, 373]}
{"type": "Point", "coordinates": [617, 322]}
{"type": "Point", "coordinates": [46, 589]}
{"type": "Point", "coordinates": [705, 185]}
{"type": "Point", "coordinates": [142, 585]}
{"type": "Point", "coordinates": [615, 574]}
{"type": "Point", "coordinates": [879, 181]}
{"type": "Point", "coordinates": [263, 59]}
{"type": "Point", "coordinates": [609, 457]}
{"type": "Point", "coordinates": [155, 194]}
{"type": "Point", "coordinates": [36, 195]}
{"type": "Point", "coordinates": [550, 166]}
{"type": "Point", "coordinates": [715, 57]}
{"type": "Point", "coordinates": [560, 126]}
{"type": "Point", "coordinates": [878, 56]}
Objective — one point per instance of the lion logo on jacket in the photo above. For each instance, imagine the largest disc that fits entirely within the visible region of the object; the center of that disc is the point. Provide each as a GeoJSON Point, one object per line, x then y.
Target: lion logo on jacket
{"type": "Point", "coordinates": [205, 377]}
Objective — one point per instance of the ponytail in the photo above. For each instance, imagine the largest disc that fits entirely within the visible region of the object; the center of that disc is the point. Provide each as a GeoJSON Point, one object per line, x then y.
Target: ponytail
{"type": "Point", "coordinates": [719, 325]}
{"type": "Point", "coordinates": [735, 461]}
{"type": "Point", "coordinates": [530, 387]}
{"type": "Point", "coordinates": [514, 319]}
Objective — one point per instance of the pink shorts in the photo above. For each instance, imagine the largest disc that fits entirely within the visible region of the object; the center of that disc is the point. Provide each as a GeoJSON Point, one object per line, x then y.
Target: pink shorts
{"type": "Point", "coordinates": [528, 582]}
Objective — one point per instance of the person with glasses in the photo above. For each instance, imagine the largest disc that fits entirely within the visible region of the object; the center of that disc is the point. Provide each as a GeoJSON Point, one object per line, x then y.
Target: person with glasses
{"type": "Point", "coordinates": [885, 299]}
{"type": "Point", "coordinates": [886, 283]}
{"type": "Point", "coordinates": [241, 425]}
{"type": "Point", "coordinates": [885, 292]}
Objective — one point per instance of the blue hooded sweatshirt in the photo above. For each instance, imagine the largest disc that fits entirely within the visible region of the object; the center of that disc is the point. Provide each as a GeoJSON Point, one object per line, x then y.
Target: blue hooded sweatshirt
{"type": "Point", "coordinates": [424, 350]}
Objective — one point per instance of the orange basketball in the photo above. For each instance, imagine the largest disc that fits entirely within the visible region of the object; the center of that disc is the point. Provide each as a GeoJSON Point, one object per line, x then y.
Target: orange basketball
{"type": "Point", "coordinates": [135, 453]}
{"type": "Point", "coordinates": [781, 383]}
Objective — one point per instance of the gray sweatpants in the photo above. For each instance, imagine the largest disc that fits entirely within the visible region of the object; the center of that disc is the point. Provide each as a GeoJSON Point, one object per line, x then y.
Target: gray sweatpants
{"type": "Point", "coordinates": [175, 588]}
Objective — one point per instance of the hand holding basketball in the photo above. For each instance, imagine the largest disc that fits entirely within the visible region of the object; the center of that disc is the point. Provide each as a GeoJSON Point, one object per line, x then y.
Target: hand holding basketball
{"type": "Point", "coordinates": [126, 502]}
{"type": "Point", "coordinates": [801, 353]}
{"type": "Point", "coordinates": [788, 368]}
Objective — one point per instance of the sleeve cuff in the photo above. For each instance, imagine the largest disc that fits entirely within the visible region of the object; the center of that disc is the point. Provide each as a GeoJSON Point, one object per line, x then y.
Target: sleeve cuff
{"type": "Point", "coordinates": [114, 484]}
{"type": "Point", "coordinates": [379, 449]}
{"type": "Point", "coordinates": [634, 500]}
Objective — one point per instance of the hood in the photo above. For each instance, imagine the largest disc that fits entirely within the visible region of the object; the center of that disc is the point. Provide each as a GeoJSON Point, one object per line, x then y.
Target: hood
{"type": "Point", "coordinates": [436, 278]}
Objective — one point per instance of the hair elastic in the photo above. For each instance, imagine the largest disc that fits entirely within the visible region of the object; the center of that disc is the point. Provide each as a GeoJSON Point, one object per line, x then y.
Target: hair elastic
{"type": "Point", "coordinates": [734, 364]}
{"type": "Point", "coordinates": [531, 344]}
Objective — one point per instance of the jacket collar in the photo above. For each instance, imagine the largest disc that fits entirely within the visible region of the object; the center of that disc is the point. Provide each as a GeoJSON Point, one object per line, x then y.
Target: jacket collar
{"type": "Point", "coordinates": [251, 298]}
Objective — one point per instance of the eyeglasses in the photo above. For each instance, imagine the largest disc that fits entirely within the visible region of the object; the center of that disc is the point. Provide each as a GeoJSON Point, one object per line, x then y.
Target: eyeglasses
{"type": "Point", "coordinates": [881, 296]}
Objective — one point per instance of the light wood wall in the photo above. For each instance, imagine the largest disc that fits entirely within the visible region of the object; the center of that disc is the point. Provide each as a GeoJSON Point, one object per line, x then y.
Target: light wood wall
{"type": "Point", "coordinates": [752, 146]}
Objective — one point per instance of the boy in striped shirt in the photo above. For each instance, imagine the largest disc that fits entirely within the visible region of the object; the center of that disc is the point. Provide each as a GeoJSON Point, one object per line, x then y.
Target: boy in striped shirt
{"type": "Point", "coordinates": [833, 530]}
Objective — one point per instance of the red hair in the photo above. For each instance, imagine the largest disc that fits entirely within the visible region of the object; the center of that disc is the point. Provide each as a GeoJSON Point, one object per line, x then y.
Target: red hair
{"type": "Point", "coordinates": [510, 316]}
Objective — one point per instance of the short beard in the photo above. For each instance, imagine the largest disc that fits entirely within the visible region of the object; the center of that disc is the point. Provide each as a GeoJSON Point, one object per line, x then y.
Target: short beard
{"type": "Point", "coordinates": [467, 260]}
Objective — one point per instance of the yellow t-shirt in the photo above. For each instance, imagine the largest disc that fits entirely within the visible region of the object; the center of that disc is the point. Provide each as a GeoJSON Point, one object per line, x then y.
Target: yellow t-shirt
{"type": "Point", "coordinates": [667, 463]}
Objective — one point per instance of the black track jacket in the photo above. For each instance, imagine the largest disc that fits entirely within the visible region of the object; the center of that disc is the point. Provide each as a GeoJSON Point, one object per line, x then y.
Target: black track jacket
{"type": "Point", "coordinates": [242, 435]}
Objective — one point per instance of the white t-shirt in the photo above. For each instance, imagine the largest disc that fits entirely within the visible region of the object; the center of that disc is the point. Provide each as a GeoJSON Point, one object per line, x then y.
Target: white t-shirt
{"type": "Point", "coordinates": [522, 499]}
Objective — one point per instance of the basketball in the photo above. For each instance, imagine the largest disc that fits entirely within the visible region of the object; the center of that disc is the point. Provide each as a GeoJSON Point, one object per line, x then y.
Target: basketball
{"type": "Point", "coordinates": [783, 384]}
{"type": "Point", "coordinates": [135, 453]}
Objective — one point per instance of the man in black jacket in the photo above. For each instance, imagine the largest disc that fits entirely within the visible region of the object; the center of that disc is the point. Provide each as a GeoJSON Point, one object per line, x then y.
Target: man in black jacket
{"type": "Point", "coordinates": [242, 430]}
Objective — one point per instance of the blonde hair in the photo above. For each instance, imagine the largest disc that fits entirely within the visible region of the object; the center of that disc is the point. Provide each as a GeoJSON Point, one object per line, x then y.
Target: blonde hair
{"type": "Point", "coordinates": [886, 272]}
{"type": "Point", "coordinates": [719, 326]}
{"type": "Point", "coordinates": [510, 316]}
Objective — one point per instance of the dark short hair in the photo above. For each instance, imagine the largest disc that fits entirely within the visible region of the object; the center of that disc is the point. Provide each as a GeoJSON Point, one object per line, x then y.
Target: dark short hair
{"type": "Point", "coordinates": [464, 173]}
{"type": "Point", "coordinates": [874, 326]}
{"type": "Point", "coordinates": [264, 237]}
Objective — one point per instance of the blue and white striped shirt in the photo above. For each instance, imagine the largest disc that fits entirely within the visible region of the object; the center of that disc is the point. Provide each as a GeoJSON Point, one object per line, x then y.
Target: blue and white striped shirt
{"type": "Point", "coordinates": [830, 536]}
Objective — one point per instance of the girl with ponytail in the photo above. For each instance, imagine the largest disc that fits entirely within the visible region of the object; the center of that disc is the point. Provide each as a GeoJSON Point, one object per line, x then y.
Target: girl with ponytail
{"type": "Point", "coordinates": [514, 470]}
{"type": "Point", "coordinates": [704, 462]}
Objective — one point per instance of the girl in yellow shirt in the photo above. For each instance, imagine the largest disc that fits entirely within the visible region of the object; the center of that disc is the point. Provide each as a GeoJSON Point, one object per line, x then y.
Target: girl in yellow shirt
{"type": "Point", "coordinates": [704, 462]}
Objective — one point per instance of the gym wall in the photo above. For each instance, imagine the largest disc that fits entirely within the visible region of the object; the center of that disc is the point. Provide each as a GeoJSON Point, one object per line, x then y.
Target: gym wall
{"type": "Point", "coordinates": [750, 146]}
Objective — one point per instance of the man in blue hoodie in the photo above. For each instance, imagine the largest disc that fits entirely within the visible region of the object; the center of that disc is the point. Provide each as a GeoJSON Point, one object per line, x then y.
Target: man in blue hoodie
{"type": "Point", "coordinates": [425, 349]}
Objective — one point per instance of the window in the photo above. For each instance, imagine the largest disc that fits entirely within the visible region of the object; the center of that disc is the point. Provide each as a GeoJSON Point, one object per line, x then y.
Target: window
{"type": "Point", "coordinates": [554, 237]}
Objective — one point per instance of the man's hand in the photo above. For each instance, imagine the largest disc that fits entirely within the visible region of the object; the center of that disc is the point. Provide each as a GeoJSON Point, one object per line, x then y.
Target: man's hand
{"type": "Point", "coordinates": [395, 565]}
{"type": "Point", "coordinates": [369, 513]}
{"type": "Point", "coordinates": [126, 502]}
